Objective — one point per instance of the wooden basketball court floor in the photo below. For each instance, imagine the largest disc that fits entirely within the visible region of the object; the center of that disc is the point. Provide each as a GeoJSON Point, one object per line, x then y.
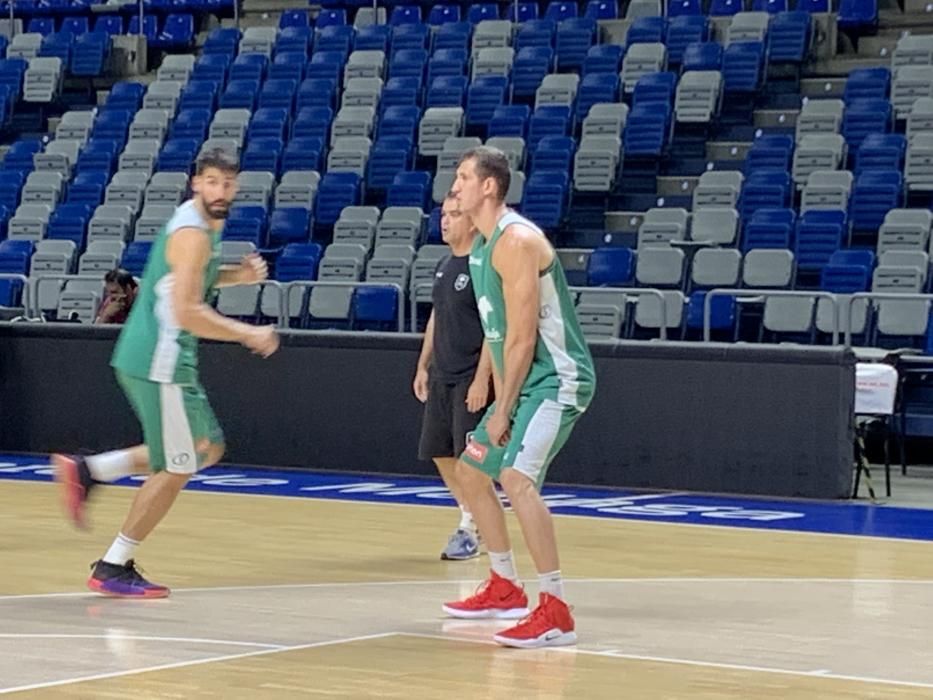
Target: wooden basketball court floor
{"type": "Point", "coordinates": [295, 598]}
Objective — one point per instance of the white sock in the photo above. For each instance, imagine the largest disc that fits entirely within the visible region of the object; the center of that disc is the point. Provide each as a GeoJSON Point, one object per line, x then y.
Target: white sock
{"type": "Point", "coordinates": [466, 520]}
{"type": "Point", "coordinates": [503, 563]}
{"type": "Point", "coordinates": [110, 466]}
{"type": "Point", "coordinates": [121, 551]}
{"type": "Point", "coordinates": [551, 583]}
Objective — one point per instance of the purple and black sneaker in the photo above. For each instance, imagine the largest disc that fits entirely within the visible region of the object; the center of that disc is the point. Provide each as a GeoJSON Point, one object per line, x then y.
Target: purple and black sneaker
{"type": "Point", "coordinates": [123, 581]}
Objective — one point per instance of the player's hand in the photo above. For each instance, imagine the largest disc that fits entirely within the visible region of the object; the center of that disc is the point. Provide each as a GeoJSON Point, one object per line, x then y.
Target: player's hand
{"type": "Point", "coordinates": [420, 385]}
{"type": "Point", "coordinates": [262, 340]}
{"type": "Point", "coordinates": [499, 429]}
{"type": "Point", "coordinates": [477, 396]}
{"type": "Point", "coordinates": [253, 269]}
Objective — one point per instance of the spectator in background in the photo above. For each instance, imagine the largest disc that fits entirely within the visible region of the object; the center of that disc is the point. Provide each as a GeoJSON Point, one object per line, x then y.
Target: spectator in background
{"type": "Point", "coordinates": [119, 294]}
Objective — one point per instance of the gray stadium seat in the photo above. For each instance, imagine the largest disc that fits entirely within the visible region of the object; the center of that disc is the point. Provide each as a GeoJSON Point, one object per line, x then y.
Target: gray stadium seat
{"type": "Point", "coordinates": [660, 267]}
{"type": "Point", "coordinates": [154, 216]}
{"type": "Point", "coordinates": [718, 189]}
{"type": "Point", "coordinates": [698, 96]}
{"type": "Point", "coordinates": [817, 152]}
{"type": "Point", "coordinates": [748, 26]}
{"type": "Point", "coordinates": [640, 60]}
{"type": "Point", "coordinates": [717, 225]}
{"type": "Point", "coordinates": [43, 186]}
{"type": "Point", "coordinates": [29, 222]}
{"type": "Point", "coordinates": [905, 229]}
{"type": "Point", "coordinates": [110, 222]}
{"type": "Point", "coordinates": [910, 84]}
{"type": "Point", "coordinates": [648, 310]}
{"type": "Point", "coordinates": [763, 268]}
{"type": "Point", "coordinates": [400, 225]}
{"type": "Point", "coordinates": [437, 125]}
{"type": "Point", "coordinates": [454, 147]}
{"type": "Point", "coordinates": [493, 60]}
{"type": "Point", "coordinates": [364, 64]}
{"type": "Point", "coordinates": [255, 187]}
{"type": "Point", "coordinates": [716, 267]}
{"type": "Point", "coordinates": [606, 118]}
{"type": "Point", "coordinates": [492, 33]}
{"type": "Point", "coordinates": [596, 163]}
{"type": "Point", "coordinates": [166, 188]}
{"type": "Point", "coordinates": [662, 225]}
{"type": "Point", "coordinates": [298, 188]}
{"type": "Point", "coordinates": [918, 168]}
{"type": "Point", "coordinates": [827, 189]}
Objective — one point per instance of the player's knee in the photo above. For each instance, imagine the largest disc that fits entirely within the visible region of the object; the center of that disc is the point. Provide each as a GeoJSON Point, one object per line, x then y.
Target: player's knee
{"type": "Point", "coordinates": [516, 484]}
{"type": "Point", "coordinates": [470, 478]}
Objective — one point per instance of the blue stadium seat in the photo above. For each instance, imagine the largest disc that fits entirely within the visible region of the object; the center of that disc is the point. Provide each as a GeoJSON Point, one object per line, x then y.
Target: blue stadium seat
{"type": "Point", "coordinates": [559, 11]}
{"type": "Point", "coordinates": [789, 37]}
{"type": "Point", "coordinates": [58, 46]}
{"type": "Point", "coordinates": [574, 39]}
{"type": "Point", "coordinates": [864, 117]}
{"type": "Point", "coordinates": [177, 33]}
{"type": "Point", "coordinates": [812, 6]}
{"type": "Point", "coordinates": [447, 92]}
{"type": "Point", "coordinates": [772, 7]}
{"type": "Point", "coordinates": [191, 124]}
{"type": "Point", "coordinates": [819, 234]}
{"type": "Point", "coordinates": [279, 93]}
{"type": "Point", "coordinates": [331, 17]}
{"type": "Point", "coordinates": [876, 192]}
{"type": "Point", "coordinates": [531, 64]}
{"type": "Point", "coordinates": [725, 8]}
{"type": "Point", "coordinates": [374, 308]}
{"type": "Point", "coordinates": [868, 83]}
{"type": "Point", "coordinates": [200, 94]}
{"type": "Point", "coordinates": [603, 58]}
{"type": "Point", "coordinates": [775, 151]}
{"type": "Point", "coordinates": [313, 122]}
{"type": "Point", "coordinates": [434, 226]}
{"type": "Point", "coordinates": [247, 223]}
{"type": "Point", "coordinates": [69, 223]}
{"type": "Point", "coordinates": [75, 26]}
{"type": "Point", "coordinates": [390, 156]}
{"type": "Point", "coordinates": [647, 30]}
{"type": "Point", "coordinates": [268, 122]}
{"type": "Point", "coordinates": [685, 8]}
{"type": "Point", "coordinates": [178, 155]}
{"type": "Point", "coordinates": [765, 189]}
{"type": "Point", "coordinates": [595, 88]}
{"type": "Point", "coordinates": [742, 67]}
{"type": "Point", "coordinates": [648, 130]}
{"type": "Point", "coordinates": [655, 87]}
{"type": "Point", "coordinates": [336, 191]}
{"type": "Point", "coordinates": [213, 67]}
{"type": "Point", "coordinates": [222, 41]}
{"type": "Point", "coordinates": [240, 94]}
{"type": "Point", "coordinates": [548, 120]}
{"type": "Point", "coordinates": [723, 313]}
{"type": "Point", "coordinates": [373, 37]}
{"type": "Point", "coordinates": [109, 24]}
{"type": "Point", "coordinates": [483, 96]}
{"type": "Point", "coordinates": [298, 261]}
{"type": "Point", "coordinates": [858, 15]}
{"type": "Point", "coordinates": [337, 37]}
{"type": "Point", "coordinates": [408, 63]}
{"type": "Point", "coordinates": [294, 18]}
{"type": "Point", "coordinates": [453, 36]}
{"type": "Point", "coordinates": [601, 9]}
{"type": "Point", "coordinates": [113, 124]}
{"type": "Point", "coordinates": [444, 14]}
{"type": "Point", "coordinates": [289, 65]}
{"type": "Point", "coordinates": [14, 259]}
{"type": "Point", "coordinates": [135, 257]}
{"type": "Point", "coordinates": [610, 267]}
{"type": "Point", "coordinates": [682, 32]}
{"type": "Point", "coordinates": [769, 228]}
{"type": "Point", "coordinates": [478, 12]}
{"type": "Point", "coordinates": [525, 12]}
{"type": "Point", "coordinates": [881, 152]}
{"type": "Point", "coordinates": [41, 25]}
{"type": "Point", "coordinates": [399, 121]}
{"type": "Point", "coordinates": [88, 188]}
{"type": "Point", "coordinates": [401, 92]}
{"type": "Point", "coordinates": [405, 14]}
{"type": "Point", "coordinates": [553, 153]}
{"type": "Point", "coordinates": [410, 189]}
{"type": "Point", "coordinates": [536, 33]}
{"type": "Point", "coordinates": [410, 36]}
{"type": "Point", "coordinates": [702, 56]}
{"type": "Point", "coordinates": [89, 54]}
{"type": "Point", "coordinates": [293, 40]}
{"type": "Point", "coordinates": [318, 92]}
{"type": "Point", "coordinates": [545, 197]}
{"type": "Point", "coordinates": [11, 185]}
{"type": "Point", "coordinates": [303, 153]}
{"type": "Point", "coordinates": [289, 225]}
{"type": "Point", "coordinates": [509, 120]}
{"type": "Point", "coordinates": [249, 66]}
{"type": "Point", "coordinates": [98, 155]}
{"type": "Point", "coordinates": [447, 62]}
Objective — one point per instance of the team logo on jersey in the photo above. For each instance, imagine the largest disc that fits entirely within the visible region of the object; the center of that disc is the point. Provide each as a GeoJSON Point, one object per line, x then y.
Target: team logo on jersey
{"type": "Point", "coordinates": [485, 308]}
{"type": "Point", "coordinates": [461, 282]}
{"type": "Point", "coordinates": [476, 451]}
{"type": "Point", "coordinates": [544, 312]}
{"type": "Point", "coordinates": [181, 459]}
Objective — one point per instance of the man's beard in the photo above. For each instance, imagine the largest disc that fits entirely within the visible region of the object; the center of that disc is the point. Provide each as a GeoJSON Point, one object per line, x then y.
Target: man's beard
{"type": "Point", "coordinates": [218, 212]}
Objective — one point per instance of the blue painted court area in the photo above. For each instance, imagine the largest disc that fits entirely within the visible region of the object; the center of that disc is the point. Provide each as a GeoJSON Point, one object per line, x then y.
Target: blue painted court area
{"type": "Point", "coordinates": [844, 518]}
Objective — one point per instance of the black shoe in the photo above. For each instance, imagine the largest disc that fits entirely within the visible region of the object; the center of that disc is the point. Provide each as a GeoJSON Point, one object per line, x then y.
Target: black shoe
{"type": "Point", "coordinates": [123, 581]}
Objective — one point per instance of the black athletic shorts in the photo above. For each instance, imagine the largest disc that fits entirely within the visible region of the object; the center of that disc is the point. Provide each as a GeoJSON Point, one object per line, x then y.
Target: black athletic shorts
{"type": "Point", "coordinates": [446, 420]}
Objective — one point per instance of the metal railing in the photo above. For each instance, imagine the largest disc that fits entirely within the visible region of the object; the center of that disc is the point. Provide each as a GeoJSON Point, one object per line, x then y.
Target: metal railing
{"type": "Point", "coordinates": [849, 303]}
{"type": "Point", "coordinates": [400, 306]}
{"type": "Point", "coordinates": [763, 295]}
{"type": "Point", "coordinates": [632, 291]}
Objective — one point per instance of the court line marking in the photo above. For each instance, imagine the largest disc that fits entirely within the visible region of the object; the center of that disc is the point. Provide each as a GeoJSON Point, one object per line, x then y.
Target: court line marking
{"type": "Point", "coordinates": [194, 662]}
{"type": "Point", "coordinates": [472, 581]}
{"type": "Point", "coordinates": [140, 638]}
{"type": "Point", "coordinates": [613, 654]}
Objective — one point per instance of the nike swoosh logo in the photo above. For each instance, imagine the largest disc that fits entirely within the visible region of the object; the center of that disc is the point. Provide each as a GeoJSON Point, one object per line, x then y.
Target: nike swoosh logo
{"type": "Point", "coordinates": [552, 635]}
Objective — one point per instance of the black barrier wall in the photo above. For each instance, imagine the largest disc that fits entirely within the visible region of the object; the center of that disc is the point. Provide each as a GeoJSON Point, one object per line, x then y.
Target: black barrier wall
{"type": "Point", "coordinates": [720, 418]}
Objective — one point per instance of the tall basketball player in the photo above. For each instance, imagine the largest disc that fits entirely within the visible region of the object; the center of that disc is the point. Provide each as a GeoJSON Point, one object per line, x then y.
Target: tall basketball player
{"type": "Point", "coordinates": [544, 379]}
{"type": "Point", "coordinates": [156, 363]}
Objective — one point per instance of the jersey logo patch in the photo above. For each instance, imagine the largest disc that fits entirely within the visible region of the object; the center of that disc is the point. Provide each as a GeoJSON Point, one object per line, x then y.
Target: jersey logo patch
{"type": "Point", "coordinates": [544, 312]}
{"type": "Point", "coordinates": [485, 308]}
{"type": "Point", "coordinates": [476, 451]}
{"type": "Point", "coordinates": [461, 282]}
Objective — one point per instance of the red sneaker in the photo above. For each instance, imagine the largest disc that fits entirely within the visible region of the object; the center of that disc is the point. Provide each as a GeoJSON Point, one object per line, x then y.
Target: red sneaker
{"type": "Point", "coordinates": [497, 598]}
{"type": "Point", "coordinates": [550, 625]}
{"type": "Point", "coordinates": [74, 479]}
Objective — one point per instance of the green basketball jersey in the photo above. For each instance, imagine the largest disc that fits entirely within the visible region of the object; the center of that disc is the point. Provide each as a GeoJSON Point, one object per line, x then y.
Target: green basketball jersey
{"type": "Point", "coordinates": [152, 345]}
{"type": "Point", "coordinates": [562, 369]}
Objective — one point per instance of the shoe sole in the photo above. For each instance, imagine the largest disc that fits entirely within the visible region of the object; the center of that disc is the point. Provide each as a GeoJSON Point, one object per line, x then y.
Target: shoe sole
{"type": "Point", "coordinates": [448, 557]}
{"type": "Point", "coordinates": [97, 587]}
{"type": "Point", "coordinates": [509, 614]}
{"type": "Point", "coordinates": [66, 474]}
{"type": "Point", "coordinates": [564, 639]}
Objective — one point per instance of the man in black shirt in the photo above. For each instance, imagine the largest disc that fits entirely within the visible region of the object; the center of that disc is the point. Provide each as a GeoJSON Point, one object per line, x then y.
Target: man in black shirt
{"type": "Point", "coordinates": [454, 371]}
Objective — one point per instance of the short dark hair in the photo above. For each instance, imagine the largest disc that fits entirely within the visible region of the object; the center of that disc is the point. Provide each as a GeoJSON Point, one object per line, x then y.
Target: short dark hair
{"type": "Point", "coordinates": [490, 162]}
{"type": "Point", "coordinates": [219, 158]}
{"type": "Point", "coordinates": [121, 277]}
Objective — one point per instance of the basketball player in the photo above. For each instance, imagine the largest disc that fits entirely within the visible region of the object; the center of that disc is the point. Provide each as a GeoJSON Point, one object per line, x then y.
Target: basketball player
{"type": "Point", "coordinates": [544, 380]}
{"type": "Point", "coordinates": [454, 371]}
{"type": "Point", "coordinates": [156, 363]}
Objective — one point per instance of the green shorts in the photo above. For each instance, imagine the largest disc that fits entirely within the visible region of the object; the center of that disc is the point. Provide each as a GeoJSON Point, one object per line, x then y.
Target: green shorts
{"type": "Point", "coordinates": [178, 422]}
{"type": "Point", "coordinates": [540, 429]}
